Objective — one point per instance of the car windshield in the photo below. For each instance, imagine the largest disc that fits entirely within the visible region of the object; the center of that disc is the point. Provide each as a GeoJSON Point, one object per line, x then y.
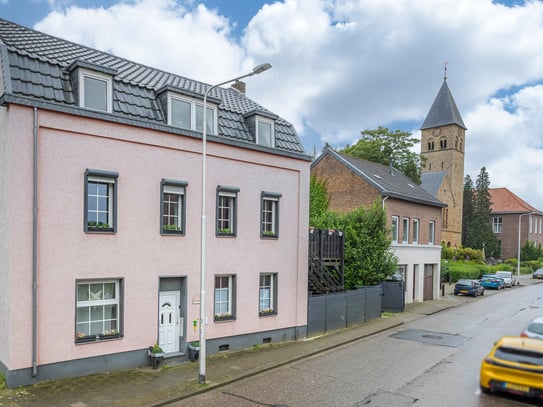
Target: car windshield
{"type": "Point", "coordinates": [536, 328]}
{"type": "Point", "coordinates": [519, 355]}
{"type": "Point", "coordinates": [464, 282]}
{"type": "Point", "coordinates": [502, 274]}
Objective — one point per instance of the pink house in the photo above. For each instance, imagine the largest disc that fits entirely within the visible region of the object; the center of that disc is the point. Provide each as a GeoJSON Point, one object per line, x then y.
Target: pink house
{"type": "Point", "coordinates": [100, 196]}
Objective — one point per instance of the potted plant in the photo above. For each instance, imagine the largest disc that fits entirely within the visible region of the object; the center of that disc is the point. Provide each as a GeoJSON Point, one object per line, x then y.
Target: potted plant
{"type": "Point", "coordinates": [194, 351]}
{"type": "Point", "coordinates": [109, 334]}
{"type": "Point", "coordinates": [83, 337]}
{"type": "Point", "coordinates": [156, 355]}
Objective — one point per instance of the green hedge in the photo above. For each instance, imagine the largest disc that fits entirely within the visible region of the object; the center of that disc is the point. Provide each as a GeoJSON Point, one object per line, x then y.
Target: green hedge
{"type": "Point", "coordinates": [468, 269]}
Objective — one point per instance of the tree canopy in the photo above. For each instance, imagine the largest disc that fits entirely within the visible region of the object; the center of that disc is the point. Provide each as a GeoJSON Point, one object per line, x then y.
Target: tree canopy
{"type": "Point", "coordinates": [368, 258]}
{"type": "Point", "coordinates": [384, 146]}
{"type": "Point", "coordinates": [478, 233]}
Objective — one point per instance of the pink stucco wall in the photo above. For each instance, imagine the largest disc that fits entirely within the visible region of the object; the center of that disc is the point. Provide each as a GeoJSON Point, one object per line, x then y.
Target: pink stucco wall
{"type": "Point", "coordinates": [137, 253]}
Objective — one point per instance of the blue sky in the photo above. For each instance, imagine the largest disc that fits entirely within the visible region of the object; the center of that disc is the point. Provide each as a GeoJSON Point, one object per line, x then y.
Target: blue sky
{"type": "Point", "coordinates": [341, 66]}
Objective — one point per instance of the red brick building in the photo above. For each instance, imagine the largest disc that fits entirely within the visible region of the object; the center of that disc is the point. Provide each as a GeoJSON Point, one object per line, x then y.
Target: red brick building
{"type": "Point", "coordinates": [512, 217]}
{"type": "Point", "coordinates": [414, 215]}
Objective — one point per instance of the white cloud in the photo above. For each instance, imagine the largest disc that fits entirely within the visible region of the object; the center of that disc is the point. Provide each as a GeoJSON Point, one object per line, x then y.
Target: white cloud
{"type": "Point", "coordinates": [342, 66]}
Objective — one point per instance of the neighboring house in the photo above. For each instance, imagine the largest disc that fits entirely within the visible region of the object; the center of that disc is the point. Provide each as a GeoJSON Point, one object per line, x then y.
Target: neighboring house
{"type": "Point", "coordinates": [512, 218]}
{"type": "Point", "coordinates": [100, 220]}
{"type": "Point", "coordinates": [414, 215]}
{"type": "Point", "coordinates": [443, 138]}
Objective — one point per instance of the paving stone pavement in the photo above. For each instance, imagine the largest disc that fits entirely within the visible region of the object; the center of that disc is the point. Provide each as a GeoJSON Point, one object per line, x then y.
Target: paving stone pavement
{"type": "Point", "coordinates": [147, 387]}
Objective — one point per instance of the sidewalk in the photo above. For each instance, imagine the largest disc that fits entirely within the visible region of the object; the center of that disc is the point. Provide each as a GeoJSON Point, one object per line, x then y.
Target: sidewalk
{"type": "Point", "coordinates": [148, 387]}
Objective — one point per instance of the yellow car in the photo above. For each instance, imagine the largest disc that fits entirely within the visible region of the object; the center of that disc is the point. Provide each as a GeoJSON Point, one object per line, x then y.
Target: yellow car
{"type": "Point", "coordinates": [514, 365]}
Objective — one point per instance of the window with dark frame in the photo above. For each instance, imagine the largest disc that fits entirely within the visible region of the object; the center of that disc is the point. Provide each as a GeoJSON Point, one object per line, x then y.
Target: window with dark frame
{"type": "Point", "coordinates": [269, 219]}
{"type": "Point", "coordinates": [98, 310]}
{"type": "Point", "coordinates": [267, 294]}
{"type": "Point", "coordinates": [224, 297]}
{"type": "Point", "coordinates": [172, 209]}
{"type": "Point", "coordinates": [100, 201]}
{"type": "Point", "coordinates": [226, 214]}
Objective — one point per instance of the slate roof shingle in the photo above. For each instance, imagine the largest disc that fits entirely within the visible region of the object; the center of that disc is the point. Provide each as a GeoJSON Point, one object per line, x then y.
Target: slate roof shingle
{"type": "Point", "coordinates": [387, 180]}
{"type": "Point", "coordinates": [443, 111]}
{"type": "Point", "coordinates": [38, 69]}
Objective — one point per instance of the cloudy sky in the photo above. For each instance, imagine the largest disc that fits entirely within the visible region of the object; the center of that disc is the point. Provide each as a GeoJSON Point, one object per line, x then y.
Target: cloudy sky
{"type": "Point", "coordinates": [342, 66]}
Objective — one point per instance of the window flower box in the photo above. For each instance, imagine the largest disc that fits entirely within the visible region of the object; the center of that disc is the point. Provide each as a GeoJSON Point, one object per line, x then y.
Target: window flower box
{"type": "Point", "coordinates": [224, 316]}
{"type": "Point", "coordinates": [111, 334]}
{"type": "Point", "coordinates": [268, 311]}
{"type": "Point", "coordinates": [81, 337]}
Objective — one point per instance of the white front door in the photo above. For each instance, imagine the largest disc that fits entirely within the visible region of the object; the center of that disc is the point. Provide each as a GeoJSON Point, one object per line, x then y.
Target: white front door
{"type": "Point", "coordinates": [168, 321]}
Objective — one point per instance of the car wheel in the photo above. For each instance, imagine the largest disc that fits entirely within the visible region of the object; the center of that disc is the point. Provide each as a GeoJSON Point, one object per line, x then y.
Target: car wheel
{"type": "Point", "coordinates": [484, 389]}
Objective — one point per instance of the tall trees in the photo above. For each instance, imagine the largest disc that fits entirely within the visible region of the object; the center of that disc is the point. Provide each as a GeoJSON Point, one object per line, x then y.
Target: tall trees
{"type": "Point", "coordinates": [478, 232]}
{"type": "Point", "coordinates": [384, 146]}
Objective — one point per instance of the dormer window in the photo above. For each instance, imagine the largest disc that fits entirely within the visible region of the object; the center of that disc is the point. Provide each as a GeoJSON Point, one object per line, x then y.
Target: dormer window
{"type": "Point", "coordinates": [264, 132]}
{"type": "Point", "coordinates": [188, 113]}
{"type": "Point", "coordinates": [95, 90]}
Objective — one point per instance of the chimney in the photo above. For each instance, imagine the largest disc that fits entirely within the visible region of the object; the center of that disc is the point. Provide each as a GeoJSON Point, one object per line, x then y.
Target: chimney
{"type": "Point", "coordinates": [239, 86]}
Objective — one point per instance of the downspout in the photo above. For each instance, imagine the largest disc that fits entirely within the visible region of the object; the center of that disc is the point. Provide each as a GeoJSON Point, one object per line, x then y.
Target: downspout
{"type": "Point", "coordinates": [384, 199]}
{"type": "Point", "coordinates": [35, 251]}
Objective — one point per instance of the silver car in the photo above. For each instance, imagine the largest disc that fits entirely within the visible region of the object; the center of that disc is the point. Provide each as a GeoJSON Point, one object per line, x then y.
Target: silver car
{"type": "Point", "coordinates": [534, 329]}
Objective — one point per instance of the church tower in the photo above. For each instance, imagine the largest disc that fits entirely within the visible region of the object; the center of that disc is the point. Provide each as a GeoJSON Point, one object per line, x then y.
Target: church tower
{"type": "Point", "coordinates": [443, 137]}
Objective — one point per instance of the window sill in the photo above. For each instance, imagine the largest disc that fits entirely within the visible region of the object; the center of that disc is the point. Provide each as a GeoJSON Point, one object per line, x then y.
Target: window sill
{"type": "Point", "coordinates": [172, 232]}
{"type": "Point", "coordinates": [226, 235]}
{"type": "Point", "coordinates": [100, 230]}
{"type": "Point", "coordinates": [267, 314]}
{"type": "Point", "coordinates": [269, 237]}
{"type": "Point", "coordinates": [224, 319]}
{"type": "Point", "coordinates": [97, 338]}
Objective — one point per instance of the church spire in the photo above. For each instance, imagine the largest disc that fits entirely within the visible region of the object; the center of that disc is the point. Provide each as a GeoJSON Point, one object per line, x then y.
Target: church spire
{"type": "Point", "coordinates": [443, 111]}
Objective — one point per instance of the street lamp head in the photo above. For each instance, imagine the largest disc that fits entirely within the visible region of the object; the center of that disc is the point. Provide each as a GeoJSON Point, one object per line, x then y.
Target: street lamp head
{"type": "Point", "coordinates": [261, 68]}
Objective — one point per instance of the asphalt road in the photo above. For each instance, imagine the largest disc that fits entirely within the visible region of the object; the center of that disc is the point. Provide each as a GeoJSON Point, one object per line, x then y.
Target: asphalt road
{"type": "Point", "coordinates": [428, 362]}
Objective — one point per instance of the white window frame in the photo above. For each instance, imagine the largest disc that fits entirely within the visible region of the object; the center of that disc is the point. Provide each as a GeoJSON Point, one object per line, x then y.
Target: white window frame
{"type": "Point", "coordinates": [196, 118]}
{"type": "Point", "coordinates": [267, 294]}
{"type": "Point", "coordinates": [80, 330]}
{"type": "Point", "coordinates": [415, 231]}
{"type": "Point", "coordinates": [431, 232]}
{"type": "Point", "coordinates": [220, 312]}
{"type": "Point", "coordinates": [260, 120]}
{"type": "Point", "coordinates": [497, 224]}
{"type": "Point", "coordinates": [85, 73]}
{"type": "Point", "coordinates": [530, 224]}
{"type": "Point", "coordinates": [394, 229]}
{"type": "Point", "coordinates": [405, 230]}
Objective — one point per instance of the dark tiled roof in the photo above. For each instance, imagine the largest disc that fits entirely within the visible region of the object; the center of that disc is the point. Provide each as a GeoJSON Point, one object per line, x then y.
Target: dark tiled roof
{"type": "Point", "coordinates": [388, 181]}
{"type": "Point", "coordinates": [443, 111]}
{"type": "Point", "coordinates": [504, 201]}
{"type": "Point", "coordinates": [431, 181]}
{"type": "Point", "coordinates": [37, 68]}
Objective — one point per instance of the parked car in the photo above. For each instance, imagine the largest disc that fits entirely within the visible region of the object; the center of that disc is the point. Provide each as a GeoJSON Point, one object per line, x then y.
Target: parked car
{"type": "Point", "coordinates": [513, 365]}
{"type": "Point", "coordinates": [538, 274]}
{"type": "Point", "coordinates": [491, 281]}
{"type": "Point", "coordinates": [507, 276]}
{"type": "Point", "coordinates": [468, 287]}
{"type": "Point", "coordinates": [534, 329]}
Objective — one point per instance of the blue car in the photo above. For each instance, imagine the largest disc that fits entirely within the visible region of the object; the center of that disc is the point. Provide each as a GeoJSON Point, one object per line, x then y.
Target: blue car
{"type": "Point", "coordinates": [491, 281]}
{"type": "Point", "coordinates": [468, 287]}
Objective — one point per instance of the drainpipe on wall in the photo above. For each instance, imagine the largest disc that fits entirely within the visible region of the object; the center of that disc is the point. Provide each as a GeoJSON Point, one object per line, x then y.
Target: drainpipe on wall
{"type": "Point", "coordinates": [384, 199]}
{"type": "Point", "coordinates": [35, 251]}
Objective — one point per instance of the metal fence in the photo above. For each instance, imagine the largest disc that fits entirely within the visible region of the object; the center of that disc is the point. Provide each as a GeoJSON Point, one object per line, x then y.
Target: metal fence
{"type": "Point", "coordinates": [327, 312]}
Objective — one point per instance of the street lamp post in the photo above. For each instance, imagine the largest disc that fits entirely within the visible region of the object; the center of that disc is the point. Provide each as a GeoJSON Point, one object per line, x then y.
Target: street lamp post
{"type": "Point", "coordinates": [518, 242]}
{"type": "Point", "coordinates": [202, 355]}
